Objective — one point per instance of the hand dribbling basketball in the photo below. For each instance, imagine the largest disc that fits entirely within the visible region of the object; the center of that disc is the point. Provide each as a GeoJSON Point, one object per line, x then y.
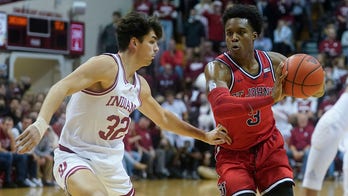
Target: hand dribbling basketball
{"type": "Point", "coordinates": [305, 76]}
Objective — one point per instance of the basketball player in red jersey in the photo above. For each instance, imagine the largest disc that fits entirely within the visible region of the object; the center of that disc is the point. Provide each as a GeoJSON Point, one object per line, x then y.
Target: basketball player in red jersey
{"type": "Point", "coordinates": [256, 160]}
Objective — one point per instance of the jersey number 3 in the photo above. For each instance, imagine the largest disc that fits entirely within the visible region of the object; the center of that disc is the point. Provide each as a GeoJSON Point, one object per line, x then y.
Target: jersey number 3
{"type": "Point", "coordinates": [115, 130]}
{"type": "Point", "coordinates": [254, 118]}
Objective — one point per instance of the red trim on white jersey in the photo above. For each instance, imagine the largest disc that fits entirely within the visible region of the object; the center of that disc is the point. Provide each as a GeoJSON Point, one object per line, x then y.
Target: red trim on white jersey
{"type": "Point", "coordinates": [95, 93]}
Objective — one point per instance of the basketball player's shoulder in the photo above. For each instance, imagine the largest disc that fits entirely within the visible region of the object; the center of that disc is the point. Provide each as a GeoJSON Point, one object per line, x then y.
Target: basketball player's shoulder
{"type": "Point", "coordinates": [103, 60]}
{"type": "Point", "coordinates": [276, 57]}
{"type": "Point", "coordinates": [215, 64]}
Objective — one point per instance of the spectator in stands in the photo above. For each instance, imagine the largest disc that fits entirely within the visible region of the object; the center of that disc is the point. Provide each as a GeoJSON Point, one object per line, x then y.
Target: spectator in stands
{"type": "Point", "coordinates": [189, 160]}
{"type": "Point", "coordinates": [194, 32]}
{"type": "Point", "coordinates": [341, 15]}
{"type": "Point", "coordinates": [57, 126]}
{"type": "Point", "coordinates": [36, 106]}
{"type": "Point", "coordinates": [178, 107]}
{"type": "Point", "coordinates": [339, 69]}
{"type": "Point", "coordinates": [282, 112]}
{"type": "Point", "coordinates": [133, 153]}
{"type": "Point", "coordinates": [148, 77]}
{"type": "Point", "coordinates": [44, 152]}
{"type": "Point", "coordinates": [263, 42]}
{"type": "Point", "coordinates": [26, 120]}
{"type": "Point", "coordinates": [330, 47]}
{"type": "Point", "coordinates": [4, 108]}
{"type": "Point", "coordinates": [174, 57]}
{"type": "Point", "coordinates": [328, 101]}
{"type": "Point", "coordinates": [25, 106]}
{"type": "Point", "coordinates": [195, 66]}
{"type": "Point", "coordinates": [150, 155]}
{"type": "Point", "coordinates": [201, 7]}
{"type": "Point", "coordinates": [32, 159]}
{"type": "Point", "coordinates": [300, 141]}
{"type": "Point", "coordinates": [6, 167]}
{"type": "Point", "coordinates": [191, 98]}
{"type": "Point", "coordinates": [215, 26]}
{"type": "Point", "coordinates": [169, 79]}
{"type": "Point", "coordinates": [308, 106]}
{"type": "Point", "coordinates": [344, 43]}
{"type": "Point", "coordinates": [143, 6]}
{"type": "Point", "coordinates": [166, 12]}
{"type": "Point", "coordinates": [205, 117]}
{"type": "Point", "coordinates": [108, 37]}
{"type": "Point", "coordinates": [298, 12]}
{"type": "Point", "coordinates": [283, 38]}
{"type": "Point", "coordinates": [15, 109]}
{"type": "Point", "coordinates": [207, 52]}
{"type": "Point", "coordinates": [205, 122]}
{"type": "Point", "coordinates": [19, 161]}
{"type": "Point", "coordinates": [271, 14]}
{"type": "Point", "coordinates": [16, 89]}
{"type": "Point", "coordinates": [165, 160]}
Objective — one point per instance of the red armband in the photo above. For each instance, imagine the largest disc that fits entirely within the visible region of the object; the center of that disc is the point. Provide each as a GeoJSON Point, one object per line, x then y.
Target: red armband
{"type": "Point", "coordinates": [226, 106]}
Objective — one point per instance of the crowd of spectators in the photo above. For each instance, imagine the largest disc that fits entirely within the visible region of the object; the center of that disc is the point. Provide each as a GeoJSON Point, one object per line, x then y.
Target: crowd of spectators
{"type": "Point", "coordinates": [19, 108]}
{"type": "Point", "coordinates": [193, 36]}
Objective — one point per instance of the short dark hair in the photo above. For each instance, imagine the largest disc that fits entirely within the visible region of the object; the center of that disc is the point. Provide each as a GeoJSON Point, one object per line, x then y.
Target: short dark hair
{"type": "Point", "coordinates": [116, 13]}
{"type": "Point", "coordinates": [249, 12]}
{"type": "Point", "coordinates": [136, 24]}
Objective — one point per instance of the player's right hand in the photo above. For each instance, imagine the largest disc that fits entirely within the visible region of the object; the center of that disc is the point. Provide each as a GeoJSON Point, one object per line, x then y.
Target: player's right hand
{"type": "Point", "coordinates": [26, 141]}
{"type": "Point", "coordinates": [278, 93]}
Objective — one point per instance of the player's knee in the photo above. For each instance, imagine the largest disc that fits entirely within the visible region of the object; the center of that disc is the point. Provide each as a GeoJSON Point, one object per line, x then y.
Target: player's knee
{"type": "Point", "coordinates": [87, 191]}
{"type": "Point", "coordinates": [284, 189]}
{"type": "Point", "coordinates": [323, 138]}
{"type": "Point", "coordinates": [78, 189]}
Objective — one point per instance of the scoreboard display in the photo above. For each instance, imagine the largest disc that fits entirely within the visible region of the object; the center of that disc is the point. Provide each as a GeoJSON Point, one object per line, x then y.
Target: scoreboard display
{"type": "Point", "coordinates": [39, 34]}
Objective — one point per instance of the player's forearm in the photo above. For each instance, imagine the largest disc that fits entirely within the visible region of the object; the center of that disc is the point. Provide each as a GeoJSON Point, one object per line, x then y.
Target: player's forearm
{"type": "Point", "coordinates": [174, 124]}
{"type": "Point", "coordinates": [226, 106]}
{"type": "Point", "coordinates": [53, 100]}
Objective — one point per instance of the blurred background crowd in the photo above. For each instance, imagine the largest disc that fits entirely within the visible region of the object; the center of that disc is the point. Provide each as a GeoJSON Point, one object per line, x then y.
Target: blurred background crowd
{"type": "Point", "coordinates": [193, 36]}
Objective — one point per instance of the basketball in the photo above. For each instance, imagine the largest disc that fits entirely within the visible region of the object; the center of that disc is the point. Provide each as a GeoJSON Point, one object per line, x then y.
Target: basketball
{"type": "Point", "coordinates": [305, 76]}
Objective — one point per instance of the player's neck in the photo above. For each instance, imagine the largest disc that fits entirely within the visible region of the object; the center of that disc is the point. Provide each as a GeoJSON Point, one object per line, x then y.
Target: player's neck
{"type": "Point", "coordinates": [130, 64]}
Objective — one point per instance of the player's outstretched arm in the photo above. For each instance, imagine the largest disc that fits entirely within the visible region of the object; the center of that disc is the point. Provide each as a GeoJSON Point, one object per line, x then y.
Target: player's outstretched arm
{"type": "Point", "coordinates": [83, 77]}
{"type": "Point", "coordinates": [168, 121]}
{"type": "Point", "coordinates": [226, 106]}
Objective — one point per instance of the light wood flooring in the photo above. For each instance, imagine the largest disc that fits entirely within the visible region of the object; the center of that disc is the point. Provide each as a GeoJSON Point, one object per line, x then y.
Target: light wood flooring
{"type": "Point", "coordinates": [169, 188]}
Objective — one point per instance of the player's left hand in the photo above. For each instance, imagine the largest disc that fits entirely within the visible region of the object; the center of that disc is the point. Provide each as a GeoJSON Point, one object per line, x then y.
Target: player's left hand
{"type": "Point", "coordinates": [217, 136]}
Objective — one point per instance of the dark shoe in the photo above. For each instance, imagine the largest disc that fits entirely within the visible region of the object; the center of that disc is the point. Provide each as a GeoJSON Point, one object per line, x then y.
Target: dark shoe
{"type": "Point", "coordinates": [9, 185]}
{"type": "Point", "coordinates": [22, 184]}
{"type": "Point", "coordinates": [49, 184]}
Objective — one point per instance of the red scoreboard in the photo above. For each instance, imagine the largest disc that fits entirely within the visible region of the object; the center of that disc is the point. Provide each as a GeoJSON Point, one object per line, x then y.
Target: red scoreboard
{"type": "Point", "coordinates": [40, 34]}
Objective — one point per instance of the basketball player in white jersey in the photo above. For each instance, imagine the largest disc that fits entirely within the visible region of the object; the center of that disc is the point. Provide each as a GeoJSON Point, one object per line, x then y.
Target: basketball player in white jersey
{"type": "Point", "coordinates": [331, 128]}
{"type": "Point", "coordinates": [104, 91]}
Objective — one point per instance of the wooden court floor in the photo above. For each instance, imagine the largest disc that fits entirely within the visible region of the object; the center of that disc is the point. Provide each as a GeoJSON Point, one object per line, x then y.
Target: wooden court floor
{"type": "Point", "coordinates": [169, 188]}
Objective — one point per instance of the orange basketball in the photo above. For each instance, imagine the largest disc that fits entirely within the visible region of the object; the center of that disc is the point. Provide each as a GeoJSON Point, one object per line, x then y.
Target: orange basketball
{"type": "Point", "coordinates": [305, 76]}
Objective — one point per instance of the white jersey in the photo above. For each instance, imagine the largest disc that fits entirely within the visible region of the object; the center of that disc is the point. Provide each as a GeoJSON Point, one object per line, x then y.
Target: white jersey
{"type": "Point", "coordinates": [96, 122]}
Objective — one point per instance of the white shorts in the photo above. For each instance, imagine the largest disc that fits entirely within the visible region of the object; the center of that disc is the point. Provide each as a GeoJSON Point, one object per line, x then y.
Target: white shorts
{"type": "Point", "coordinates": [112, 175]}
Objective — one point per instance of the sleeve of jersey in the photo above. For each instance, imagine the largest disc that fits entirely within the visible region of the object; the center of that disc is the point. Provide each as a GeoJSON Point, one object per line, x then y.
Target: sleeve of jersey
{"type": "Point", "coordinates": [226, 106]}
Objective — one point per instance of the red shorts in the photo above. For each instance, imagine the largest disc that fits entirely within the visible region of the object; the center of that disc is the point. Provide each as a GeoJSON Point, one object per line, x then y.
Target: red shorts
{"type": "Point", "coordinates": [260, 168]}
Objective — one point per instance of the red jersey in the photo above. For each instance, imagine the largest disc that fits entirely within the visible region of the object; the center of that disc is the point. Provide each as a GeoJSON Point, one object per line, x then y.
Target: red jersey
{"type": "Point", "coordinates": [257, 125]}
